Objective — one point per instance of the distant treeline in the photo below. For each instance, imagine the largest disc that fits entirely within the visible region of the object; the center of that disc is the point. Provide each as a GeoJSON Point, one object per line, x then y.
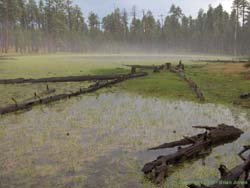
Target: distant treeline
{"type": "Point", "coordinates": [59, 26]}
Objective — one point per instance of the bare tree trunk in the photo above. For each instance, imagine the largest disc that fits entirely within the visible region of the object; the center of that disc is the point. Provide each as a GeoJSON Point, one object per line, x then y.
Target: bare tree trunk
{"type": "Point", "coordinates": [6, 26]}
{"type": "Point", "coordinates": [236, 32]}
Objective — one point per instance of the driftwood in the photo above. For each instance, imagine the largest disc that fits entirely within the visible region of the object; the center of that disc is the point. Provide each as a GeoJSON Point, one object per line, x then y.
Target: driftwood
{"type": "Point", "coordinates": [238, 176]}
{"type": "Point", "coordinates": [64, 79]}
{"type": "Point", "coordinates": [26, 105]}
{"type": "Point", "coordinates": [200, 145]}
{"type": "Point", "coordinates": [245, 96]}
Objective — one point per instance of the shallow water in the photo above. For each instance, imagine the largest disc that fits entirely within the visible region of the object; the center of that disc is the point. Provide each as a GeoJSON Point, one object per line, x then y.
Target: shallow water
{"type": "Point", "coordinates": [102, 140]}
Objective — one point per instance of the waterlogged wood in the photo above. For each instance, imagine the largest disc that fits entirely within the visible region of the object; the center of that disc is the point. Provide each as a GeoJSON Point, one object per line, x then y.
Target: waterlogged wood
{"type": "Point", "coordinates": [234, 178]}
{"type": "Point", "coordinates": [64, 79]}
{"type": "Point", "coordinates": [200, 145]}
{"type": "Point", "coordinates": [99, 85]}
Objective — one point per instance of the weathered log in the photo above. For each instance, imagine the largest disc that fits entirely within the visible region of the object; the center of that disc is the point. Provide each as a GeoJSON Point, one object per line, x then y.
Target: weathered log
{"type": "Point", "coordinates": [200, 145]}
{"type": "Point", "coordinates": [64, 79]}
{"type": "Point", "coordinates": [155, 68]}
{"type": "Point", "coordinates": [196, 89]}
{"type": "Point", "coordinates": [245, 96]}
{"type": "Point", "coordinates": [238, 176]}
{"type": "Point", "coordinates": [92, 88]}
{"type": "Point", "coordinates": [190, 82]}
{"type": "Point", "coordinates": [48, 91]}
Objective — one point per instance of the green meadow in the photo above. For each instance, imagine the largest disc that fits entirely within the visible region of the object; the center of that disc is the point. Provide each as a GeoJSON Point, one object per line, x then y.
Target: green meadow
{"type": "Point", "coordinates": [102, 138]}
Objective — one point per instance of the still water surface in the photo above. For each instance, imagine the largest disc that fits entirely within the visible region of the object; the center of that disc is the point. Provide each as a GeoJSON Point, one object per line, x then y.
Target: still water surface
{"type": "Point", "coordinates": [102, 140]}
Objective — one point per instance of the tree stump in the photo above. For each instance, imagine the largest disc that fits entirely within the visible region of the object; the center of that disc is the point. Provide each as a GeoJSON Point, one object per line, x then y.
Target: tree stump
{"type": "Point", "coordinates": [133, 70]}
{"type": "Point", "coordinates": [167, 66]}
{"type": "Point", "coordinates": [180, 66]}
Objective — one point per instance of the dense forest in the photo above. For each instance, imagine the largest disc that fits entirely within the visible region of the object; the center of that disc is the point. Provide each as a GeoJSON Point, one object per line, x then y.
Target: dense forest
{"type": "Point", "coordinates": [47, 26]}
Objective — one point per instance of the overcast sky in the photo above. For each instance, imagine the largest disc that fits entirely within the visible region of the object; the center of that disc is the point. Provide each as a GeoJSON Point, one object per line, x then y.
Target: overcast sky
{"type": "Point", "coordinates": [189, 7]}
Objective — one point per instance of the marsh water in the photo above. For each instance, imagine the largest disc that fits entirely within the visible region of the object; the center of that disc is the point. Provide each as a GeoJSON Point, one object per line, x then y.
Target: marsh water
{"type": "Point", "coordinates": [101, 141]}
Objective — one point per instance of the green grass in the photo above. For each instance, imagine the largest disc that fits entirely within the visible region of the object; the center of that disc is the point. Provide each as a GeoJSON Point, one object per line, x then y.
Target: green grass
{"type": "Point", "coordinates": [165, 84]}
{"type": "Point", "coordinates": [217, 87]}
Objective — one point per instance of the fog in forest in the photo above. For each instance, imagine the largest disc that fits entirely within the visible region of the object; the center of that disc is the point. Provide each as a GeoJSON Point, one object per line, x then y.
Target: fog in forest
{"type": "Point", "coordinates": [59, 26]}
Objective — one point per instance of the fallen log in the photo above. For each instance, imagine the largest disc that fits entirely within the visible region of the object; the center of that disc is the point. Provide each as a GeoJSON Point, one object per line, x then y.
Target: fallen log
{"type": "Point", "coordinates": [238, 176]}
{"type": "Point", "coordinates": [200, 145]}
{"type": "Point", "coordinates": [190, 82]}
{"type": "Point", "coordinates": [145, 66]}
{"type": "Point", "coordinates": [155, 68]}
{"type": "Point", "coordinates": [195, 88]}
{"type": "Point", "coordinates": [64, 79]}
{"type": "Point", "coordinates": [48, 91]}
{"type": "Point", "coordinates": [26, 105]}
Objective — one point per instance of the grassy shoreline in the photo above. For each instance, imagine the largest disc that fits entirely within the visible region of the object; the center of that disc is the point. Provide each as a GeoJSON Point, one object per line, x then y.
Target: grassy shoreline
{"type": "Point", "coordinates": [220, 83]}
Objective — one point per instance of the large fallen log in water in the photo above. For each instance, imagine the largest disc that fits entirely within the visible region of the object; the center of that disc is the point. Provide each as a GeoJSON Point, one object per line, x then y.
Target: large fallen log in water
{"type": "Point", "coordinates": [26, 105]}
{"type": "Point", "coordinates": [200, 145]}
{"type": "Point", "coordinates": [238, 176]}
{"type": "Point", "coordinates": [64, 79]}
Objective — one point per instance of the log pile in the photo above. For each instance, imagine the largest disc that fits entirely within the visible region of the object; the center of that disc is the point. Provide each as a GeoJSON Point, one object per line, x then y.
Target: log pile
{"type": "Point", "coordinates": [234, 178]}
{"type": "Point", "coordinates": [199, 145]}
{"type": "Point", "coordinates": [38, 100]}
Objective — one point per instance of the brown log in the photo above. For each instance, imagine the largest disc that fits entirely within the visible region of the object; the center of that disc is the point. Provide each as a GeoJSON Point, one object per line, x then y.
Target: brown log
{"type": "Point", "coordinates": [46, 100]}
{"type": "Point", "coordinates": [232, 178]}
{"type": "Point", "coordinates": [200, 144]}
{"type": "Point", "coordinates": [64, 79]}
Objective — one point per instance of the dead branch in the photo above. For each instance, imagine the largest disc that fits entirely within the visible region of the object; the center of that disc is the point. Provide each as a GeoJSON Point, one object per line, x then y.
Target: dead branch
{"type": "Point", "coordinates": [200, 144]}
